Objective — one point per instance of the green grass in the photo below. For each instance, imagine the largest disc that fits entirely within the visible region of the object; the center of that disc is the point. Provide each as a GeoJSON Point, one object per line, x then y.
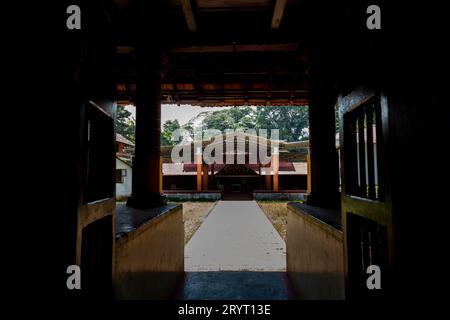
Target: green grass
{"type": "Point", "coordinates": [279, 201]}
{"type": "Point", "coordinates": [276, 212]}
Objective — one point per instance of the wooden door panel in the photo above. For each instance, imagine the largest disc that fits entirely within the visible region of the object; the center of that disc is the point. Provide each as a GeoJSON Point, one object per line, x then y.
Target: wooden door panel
{"type": "Point", "coordinates": [366, 207]}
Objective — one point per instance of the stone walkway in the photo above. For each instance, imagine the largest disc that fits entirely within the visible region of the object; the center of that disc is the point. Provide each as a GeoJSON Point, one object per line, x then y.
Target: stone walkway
{"type": "Point", "coordinates": [236, 236]}
{"type": "Point", "coordinates": [235, 285]}
{"type": "Point", "coordinates": [236, 254]}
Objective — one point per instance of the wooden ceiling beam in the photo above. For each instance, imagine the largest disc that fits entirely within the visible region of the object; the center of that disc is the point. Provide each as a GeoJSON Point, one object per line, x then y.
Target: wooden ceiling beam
{"type": "Point", "coordinates": [278, 13]}
{"type": "Point", "coordinates": [124, 49]}
{"type": "Point", "coordinates": [286, 47]}
{"type": "Point", "coordinates": [189, 15]}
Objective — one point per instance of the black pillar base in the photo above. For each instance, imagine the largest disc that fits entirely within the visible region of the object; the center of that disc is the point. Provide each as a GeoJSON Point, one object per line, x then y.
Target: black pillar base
{"type": "Point", "coordinates": [333, 202]}
{"type": "Point", "coordinates": [147, 202]}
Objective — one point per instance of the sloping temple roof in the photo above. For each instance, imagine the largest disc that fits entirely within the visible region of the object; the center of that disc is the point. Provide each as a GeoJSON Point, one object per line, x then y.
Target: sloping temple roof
{"type": "Point", "coordinates": [122, 139]}
{"type": "Point", "coordinates": [289, 152]}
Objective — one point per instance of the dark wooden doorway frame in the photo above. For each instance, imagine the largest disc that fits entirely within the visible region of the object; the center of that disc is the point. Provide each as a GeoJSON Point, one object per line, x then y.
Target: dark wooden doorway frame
{"type": "Point", "coordinates": [366, 207]}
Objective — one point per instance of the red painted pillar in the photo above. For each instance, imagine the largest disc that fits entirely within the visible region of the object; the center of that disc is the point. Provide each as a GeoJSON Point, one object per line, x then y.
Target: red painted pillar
{"type": "Point", "coordinates": [199, 161]}
{"type": "Point", "coordinates": [275, 164]}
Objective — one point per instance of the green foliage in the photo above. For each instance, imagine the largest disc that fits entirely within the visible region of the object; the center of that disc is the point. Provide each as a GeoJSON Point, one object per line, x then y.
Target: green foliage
{"type": "Point", "coordinates": [166, 135]}
{"type": "Point", "coordinates": [291, 121]}
{"type": "Point", "coordinates": [234, 118]}
{"type": "Point", "coordinates": [125, 125]}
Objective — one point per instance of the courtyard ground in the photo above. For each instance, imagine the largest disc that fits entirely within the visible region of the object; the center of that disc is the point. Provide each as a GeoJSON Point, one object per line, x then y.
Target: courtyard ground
{"type": "Point", "coordinates": [276, 212]}
{"type": "Point", "coordinates": [236, 236]}
{"type": "Point", "coordinates": [194, 213]}
{"type": "Point", "coordinates": [236, 254]}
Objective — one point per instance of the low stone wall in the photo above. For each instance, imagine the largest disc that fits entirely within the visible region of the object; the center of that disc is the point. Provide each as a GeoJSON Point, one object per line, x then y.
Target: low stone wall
{"type": "Point", "coordinates": [315, 252]}
{"type": "Point", "coordinates": [193, 195]}
{"type": "Point", "coordinates": [288, 195]}
{"type": "Point", "coordinates": [149, 252]}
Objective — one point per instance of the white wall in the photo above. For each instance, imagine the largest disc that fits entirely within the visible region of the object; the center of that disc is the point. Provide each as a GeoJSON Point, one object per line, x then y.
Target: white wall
{"type": "Point", "coordinates": [123, 189]}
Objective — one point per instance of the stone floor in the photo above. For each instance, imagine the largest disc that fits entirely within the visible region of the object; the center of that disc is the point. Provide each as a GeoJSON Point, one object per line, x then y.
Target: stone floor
{"type": "Point", "coordinates": [236, 236]}
{"type": "Point", "coordinates": [236, 254]}
{"type": "Point", "coordinates": [235, 285]}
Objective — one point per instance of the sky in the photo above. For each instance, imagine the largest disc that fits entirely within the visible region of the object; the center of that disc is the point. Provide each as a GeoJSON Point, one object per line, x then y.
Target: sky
{"type": "Point", "coordinates": [183, 112]}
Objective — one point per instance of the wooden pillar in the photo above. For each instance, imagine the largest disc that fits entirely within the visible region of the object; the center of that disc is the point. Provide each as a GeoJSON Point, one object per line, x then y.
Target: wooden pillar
{"type": "Point", "coordinates": [160, 175]}
{"type": "Point", "coordinates": [260, 176]}
{"type": "Point", "coordinates": [308, 177]}
{"type": "Point", "coordinates": [275, 165]}
{"type": "Point", "coordinates": [87, 71]}
{"type": "Point", "coordinates": [146, 163]}
{"type": "Point", "coordinates": [205, 177]}
{"type": "Point", "coordinates": [214, 186]}
{"type": "Point", "coordinates": [268, 181]}
{"type": "Point", "coordinates": [324, 167]}
{"type": "Point", "coordinates": [199, 169]}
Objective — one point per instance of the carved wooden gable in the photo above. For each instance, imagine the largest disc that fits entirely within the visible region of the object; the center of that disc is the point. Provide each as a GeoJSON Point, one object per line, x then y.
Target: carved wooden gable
{"type": "Point", "coordinates": [236, 170]}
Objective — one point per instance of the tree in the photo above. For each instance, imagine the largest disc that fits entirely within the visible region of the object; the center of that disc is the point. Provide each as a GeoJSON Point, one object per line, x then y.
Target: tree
{"type": "Point", "coordinates": [166, 135]}
{"type": "Point", "coordinates": [233, 118]}
{"type": "Point", "coordinates": [292, 121]}
{"type": "Point", "coordinates": [125, 124]}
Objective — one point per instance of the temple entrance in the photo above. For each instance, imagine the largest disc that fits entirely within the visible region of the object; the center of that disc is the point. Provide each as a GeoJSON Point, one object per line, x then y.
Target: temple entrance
{"type": "Point", "coordinates": [237, 182]}
{"type": "Point", "coordinates": [238, 188]}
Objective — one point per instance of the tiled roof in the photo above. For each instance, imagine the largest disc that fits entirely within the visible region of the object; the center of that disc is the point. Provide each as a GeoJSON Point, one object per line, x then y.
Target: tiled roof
{"type": "Point", "coordinates": [122, 139]}
{"type": "Point", "coordinates": [180, 169]}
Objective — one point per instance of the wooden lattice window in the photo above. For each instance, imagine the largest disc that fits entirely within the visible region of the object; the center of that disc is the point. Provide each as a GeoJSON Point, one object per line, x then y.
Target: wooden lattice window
{"type": "Point", "coordinates": [362, 143]}
{"type": "Point", "coordinates": [120, 175]}
{"type": "Point", "coordinates": [367, 245]}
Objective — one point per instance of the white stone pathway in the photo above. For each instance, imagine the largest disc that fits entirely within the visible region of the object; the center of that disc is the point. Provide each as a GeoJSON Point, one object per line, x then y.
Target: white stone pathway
{"type": "Point", "coordinates": [236, 236]}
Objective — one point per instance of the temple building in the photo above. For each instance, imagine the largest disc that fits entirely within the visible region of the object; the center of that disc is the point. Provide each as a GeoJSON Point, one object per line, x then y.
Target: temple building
{"type": "Point", "coordinates": [244, 172]}
{"type": "Point", "coordinates": [124, 155]}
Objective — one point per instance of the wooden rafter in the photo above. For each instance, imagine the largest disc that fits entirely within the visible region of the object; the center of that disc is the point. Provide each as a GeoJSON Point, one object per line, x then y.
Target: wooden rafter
{"type": "Point", "coordinates": [238, 48]}
{"type": "Point", "coordinates": [189, 15]}
{"type": "Point", "coordinates": [278, 13]}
